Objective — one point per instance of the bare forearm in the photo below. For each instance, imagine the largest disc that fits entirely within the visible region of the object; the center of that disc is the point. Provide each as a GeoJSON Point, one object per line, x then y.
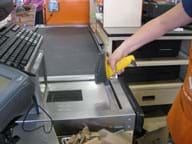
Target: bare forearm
{"type": "Point", "coordinates": [152, 30]}
{"type": "Point", "coordinates": [147, 33]}
{"type": "Point", "coordinates": [156, 28]}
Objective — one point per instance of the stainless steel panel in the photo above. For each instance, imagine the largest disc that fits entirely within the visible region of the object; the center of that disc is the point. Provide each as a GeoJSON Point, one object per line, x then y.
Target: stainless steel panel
{"type": "Point", "coordinates": [103, 105]}
{"type": "Point", "coordinates": [68, 78]}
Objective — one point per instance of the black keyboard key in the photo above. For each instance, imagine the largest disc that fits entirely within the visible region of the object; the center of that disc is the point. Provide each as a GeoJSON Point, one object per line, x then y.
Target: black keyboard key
{"type": "Point", "coordinates": [25, 46]}
{"type": "Point", "coordinates": [11, 58]}
{"type": "Point", "coordinates": [20, 67]}
{"type": "Point", "coordinates": [2, 40]}
{"type": "Point", "coordinates": [5, 47]}
{"type": "Point", "coordinates": [17, 46]}
{"type": "Point", "coordinates": [2, 60]}
{"type": "Point", "coordinates": [7, 29]}
{"type": "Point", "coordinates": [8, 45]}
{"type": "Point", "coordinates": [15, 64]}
{"type": "Point", "coordinates": [11, 50]}
{"type": "Point", "coordinates": [9, 63]}
{"type": "Point", "coordinates": [18, 50]}
{"type": "Point", "coordinates": [27, 55]}
{"type": "Point", "coordinates": [23, 62]}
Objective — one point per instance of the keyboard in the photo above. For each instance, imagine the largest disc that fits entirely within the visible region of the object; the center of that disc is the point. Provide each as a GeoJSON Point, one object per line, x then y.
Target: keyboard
{"type": "Point", "coordinates": [18, 46]}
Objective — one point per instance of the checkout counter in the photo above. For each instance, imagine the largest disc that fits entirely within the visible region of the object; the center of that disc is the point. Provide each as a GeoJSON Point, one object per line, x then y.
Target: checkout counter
{"type": "Point", "coordinates": [73, 99]}
{"type": "Point", "coordinates": [60, 68]}
{"type": "Point", "coordinates": [64, 68]}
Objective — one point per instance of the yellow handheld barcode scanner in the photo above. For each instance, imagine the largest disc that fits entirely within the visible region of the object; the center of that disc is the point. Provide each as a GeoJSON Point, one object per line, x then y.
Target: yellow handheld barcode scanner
{"type": "Point", "coordinates": [103, 71]}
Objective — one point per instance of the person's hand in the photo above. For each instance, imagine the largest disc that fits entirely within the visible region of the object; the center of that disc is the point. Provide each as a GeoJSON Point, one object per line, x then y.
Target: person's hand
{"type": "Point", "coordinates": [117, 55]}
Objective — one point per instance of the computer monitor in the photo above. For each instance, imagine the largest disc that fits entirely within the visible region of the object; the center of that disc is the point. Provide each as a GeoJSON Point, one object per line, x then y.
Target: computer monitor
{"type": "Point", "coordinates": [16, 92]}
{"type": "Point", "coordinates": [4, 82]}
{"type": "Point", "coordinates": [6, 6]}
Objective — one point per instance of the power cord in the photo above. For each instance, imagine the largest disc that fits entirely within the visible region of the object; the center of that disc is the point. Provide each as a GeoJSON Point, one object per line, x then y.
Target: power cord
{"type": "Point", "coordinates": [41, 126]}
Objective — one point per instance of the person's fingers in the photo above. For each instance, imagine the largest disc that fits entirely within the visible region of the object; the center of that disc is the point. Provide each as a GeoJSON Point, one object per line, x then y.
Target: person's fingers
{"type": "Point", "coordinates": [121, 71]}
{"type": "Point", "coordinates": [113, 65]}
{"type": "Point", "coordinates": [114, 58]}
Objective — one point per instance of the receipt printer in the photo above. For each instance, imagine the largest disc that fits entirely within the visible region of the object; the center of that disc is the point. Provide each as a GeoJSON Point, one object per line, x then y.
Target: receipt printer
{"type": "Point", "coordinates": [16, 94]}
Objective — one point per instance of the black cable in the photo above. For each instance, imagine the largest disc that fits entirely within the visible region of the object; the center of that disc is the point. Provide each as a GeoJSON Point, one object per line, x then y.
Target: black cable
{"type": "Point", "coordinates": [41, 126]}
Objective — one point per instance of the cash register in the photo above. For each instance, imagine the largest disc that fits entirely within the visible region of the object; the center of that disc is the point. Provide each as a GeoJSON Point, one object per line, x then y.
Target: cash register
{"type": "Point", "coordinates": [16, 90]}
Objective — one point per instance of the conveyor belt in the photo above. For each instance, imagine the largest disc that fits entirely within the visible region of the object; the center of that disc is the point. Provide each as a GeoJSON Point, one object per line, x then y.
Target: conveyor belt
{"type": "Point", "coordinates": [73, 51]}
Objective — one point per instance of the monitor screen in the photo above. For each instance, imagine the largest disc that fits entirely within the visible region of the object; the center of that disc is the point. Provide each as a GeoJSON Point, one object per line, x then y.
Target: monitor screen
{"type": "Point", "coordinates": [6, 6]}
{"type": "Point", "coordinates": [4, 82]}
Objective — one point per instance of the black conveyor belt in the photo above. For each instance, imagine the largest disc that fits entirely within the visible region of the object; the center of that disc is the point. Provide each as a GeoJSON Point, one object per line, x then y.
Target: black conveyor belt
{"type": "Point", "coordinates": [69, 50]}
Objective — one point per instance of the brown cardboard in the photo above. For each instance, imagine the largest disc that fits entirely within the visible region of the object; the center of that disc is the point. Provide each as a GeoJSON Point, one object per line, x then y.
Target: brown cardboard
{"type": "Point", "coordinates": [154, 123]}
{"type": "Point", "coordinates": [157, 131]}
{"type": "Point", "coordinates": [111, 138]}
{"type": "Point", "coordinates": [94, 141]}
{"type": "Point", "coordinates": [159, 136]}
{"type": "Point", "coordinates": [25, 18]}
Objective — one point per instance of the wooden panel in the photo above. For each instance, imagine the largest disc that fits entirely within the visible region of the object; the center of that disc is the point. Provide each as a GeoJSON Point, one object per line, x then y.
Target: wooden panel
{"type": "Point", "coordinates": [70, 12]}
{"type": "Point", "coordinates": [155, 93]}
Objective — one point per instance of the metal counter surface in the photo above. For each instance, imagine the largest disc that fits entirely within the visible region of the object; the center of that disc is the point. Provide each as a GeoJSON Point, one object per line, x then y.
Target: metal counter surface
{"type": "Point", "coordinates": [94, 105]}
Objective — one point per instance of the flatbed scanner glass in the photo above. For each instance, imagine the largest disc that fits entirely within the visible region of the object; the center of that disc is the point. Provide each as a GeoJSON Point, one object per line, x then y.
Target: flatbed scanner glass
{"type": "Point", "coordinates": [3, 82]}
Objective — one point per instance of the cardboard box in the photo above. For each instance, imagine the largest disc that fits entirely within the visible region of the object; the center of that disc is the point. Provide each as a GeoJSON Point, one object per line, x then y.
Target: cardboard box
{"type": "Point", "coordinates": [159, 136]}
{"type": "Point", "coordinates": [111, 138]}
{"type": "Point", "coordinates": [157, 131]}
{"type": "Point", "coordinates": [24, 16]}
